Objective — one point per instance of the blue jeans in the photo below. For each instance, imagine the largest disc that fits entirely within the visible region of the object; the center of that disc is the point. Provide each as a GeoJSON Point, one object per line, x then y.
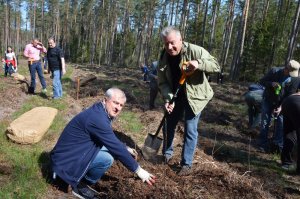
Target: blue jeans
{"type": "Point", "coordinates": [254, 100]}
{"type": "Point", "coordinates": [190, 132]}
{"type": "Point", "coordinates": [8, 69]}
{"type": "Point", "coordinates": [36, 66]}
{"type": "Point", "coordinates": [57, 87]}
{"type": "Point", "coordinates": [99, 166]}
{"type": "Point", "coordinates": [267, 110]}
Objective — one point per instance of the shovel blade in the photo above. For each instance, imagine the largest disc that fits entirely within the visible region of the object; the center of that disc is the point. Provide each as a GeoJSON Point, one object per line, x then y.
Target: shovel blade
{"type": "Point", "coordinates": [151, 146]}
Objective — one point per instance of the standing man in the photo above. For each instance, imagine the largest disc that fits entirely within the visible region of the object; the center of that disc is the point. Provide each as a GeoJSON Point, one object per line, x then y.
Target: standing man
{"type": "Point", "coordinates": [291, 115]}
{"type": "Point", "coordinates": [88, 146]}
{"type": "Point", "coordinates": [32, 53]}
{"type": "Point", "coordinates": [193, 96]}
{"type": "Point", "coordinates": [153, 84]}
{"type": "Point", "coordinates": [56, 64]}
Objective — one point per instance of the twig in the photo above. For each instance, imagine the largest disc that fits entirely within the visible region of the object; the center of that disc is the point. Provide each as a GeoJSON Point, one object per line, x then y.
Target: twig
{"type": "Point", "coordinates": [249, 154]}
{"type": "Point", "coordinates": [215, 141]}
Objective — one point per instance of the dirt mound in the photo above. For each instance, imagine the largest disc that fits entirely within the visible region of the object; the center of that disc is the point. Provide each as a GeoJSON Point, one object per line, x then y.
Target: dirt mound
{"type": "Point", "coordinates": [208, 180]}
{"type": "Point", "coordinates": [11, 97]}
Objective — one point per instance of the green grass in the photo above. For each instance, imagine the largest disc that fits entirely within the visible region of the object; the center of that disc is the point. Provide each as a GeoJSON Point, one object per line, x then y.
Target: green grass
{"type": "Point", "coordinates": [132, 125]}
{"type": "Point", "coordinates": [131, 121]}
{"type": "Point", "coordinates": [231, 154]}
{"type": "Point", "coordinates": [26, 179]}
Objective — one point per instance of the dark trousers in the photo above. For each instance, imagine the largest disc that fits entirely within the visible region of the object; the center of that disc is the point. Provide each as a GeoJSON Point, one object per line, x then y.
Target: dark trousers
{"type": "Point", "coordinates": [153, 94]}
{"type": "Point", "coordinates": [36, 67]}
{"type": "Point", "coordinates": [291, 126]}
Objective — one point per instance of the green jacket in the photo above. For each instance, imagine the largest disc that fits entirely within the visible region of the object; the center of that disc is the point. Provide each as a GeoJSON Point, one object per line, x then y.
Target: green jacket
{"type": "Point", "coordinates": [196, 86]}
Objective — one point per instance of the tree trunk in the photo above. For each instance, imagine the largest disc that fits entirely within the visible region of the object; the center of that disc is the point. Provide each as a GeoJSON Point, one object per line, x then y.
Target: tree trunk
{"type": "Point", "coordinates": [204, 23]}
{"type": "Point", "coordinates": [235, 67]}
{"type": "Point", "coordinates": [6, 24]}
{"type": "Point", "coordinates": [34, 16]}
{"type": "Point", "coordinates": [293, 35]}
{"type": "Point", "coordinates": [227, 35]}
{"type": "Point", "coordinates": [184, 17]}
{"type": "Point", "coordinates": [125, 27]}
{"type": "Point", "coordinates": [216, 5]}
{"type": "Point", "coordinates": [196, 40]}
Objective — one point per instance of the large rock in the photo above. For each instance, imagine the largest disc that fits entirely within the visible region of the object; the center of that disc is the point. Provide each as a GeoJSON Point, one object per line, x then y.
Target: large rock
{"type": "Point", "coordinates": [18, 76]}
{"type": "Point", "coordinates": [31, 126]}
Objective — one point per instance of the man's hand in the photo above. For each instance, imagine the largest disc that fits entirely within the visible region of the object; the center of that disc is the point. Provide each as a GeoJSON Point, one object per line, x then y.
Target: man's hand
{"type": "Point", "coordinates": [275, 85]}
{"type": "Point", "coordinates": [277, 111]}
{"type": "Point", "coordinates": [191, 66]}
{"type": "Point", "coordinates": [64, 71]}
{"type": "Point", "coordinates": [145, 176]}
{"type": "Point", "coordinates": [169, 107]}
{"type": "Point", "coordinates": [133, 152]}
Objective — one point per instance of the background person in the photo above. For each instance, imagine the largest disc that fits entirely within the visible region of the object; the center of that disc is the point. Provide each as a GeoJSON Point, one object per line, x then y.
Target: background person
{"type": "Point", "coordinates": [153, 84]}
{"type": "Point", "coordinates": [11, 65]}
{"type": "Point", "coordinates": [57, 67]}
{"type": "Point", "coordinates": [253, 98]}
{"type": "Point", "coordinates": [291, 126]}
{"type": "Point", "coordinates": [145, 71]}
{"type": "Point", "coordinates": [193, 96]}
{"type": "Point", "coordinates": [32, 52]}
{"type": "Point", "coordinates": [279, 83]}
{"type": "Point", "coordinates": [88, 146]}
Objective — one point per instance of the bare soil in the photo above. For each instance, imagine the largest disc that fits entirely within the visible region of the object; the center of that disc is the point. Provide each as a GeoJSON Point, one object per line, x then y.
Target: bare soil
{"type": "Point", "coordinates": [226, 163]}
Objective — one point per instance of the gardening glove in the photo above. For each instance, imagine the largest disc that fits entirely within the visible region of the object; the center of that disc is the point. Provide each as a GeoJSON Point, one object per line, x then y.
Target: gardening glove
{"type": "Point", "coordinates": [133, 152]}
{"type": "Point", "coordinates": [145, 176]}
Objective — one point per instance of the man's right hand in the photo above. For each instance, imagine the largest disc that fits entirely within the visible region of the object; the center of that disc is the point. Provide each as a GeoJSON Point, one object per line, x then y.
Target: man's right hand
{"type": "Point", "coordinates": [169, 107]}
{"type": "Point", "coordinates": [145, 176]}
{"type": "Point", "coordinates": [275, 85]}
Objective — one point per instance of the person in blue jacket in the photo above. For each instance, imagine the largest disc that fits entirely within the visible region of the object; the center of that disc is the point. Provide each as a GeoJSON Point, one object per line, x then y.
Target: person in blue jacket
{"type": "Point", "coordinates": [253, 98]}
{"type": "Point", "coordinates": [88, 146]}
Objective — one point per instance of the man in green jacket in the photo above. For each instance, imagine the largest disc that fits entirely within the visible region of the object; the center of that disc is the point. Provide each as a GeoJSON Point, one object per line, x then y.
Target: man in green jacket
{"type": "Point", "coordinates": [192, 97]}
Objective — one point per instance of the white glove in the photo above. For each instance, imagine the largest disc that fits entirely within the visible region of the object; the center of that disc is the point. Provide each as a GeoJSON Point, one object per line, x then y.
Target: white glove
{"type": "Point", "coordinates": [133, 152]}
{"type": "Point", "coordinates": [145, 176]}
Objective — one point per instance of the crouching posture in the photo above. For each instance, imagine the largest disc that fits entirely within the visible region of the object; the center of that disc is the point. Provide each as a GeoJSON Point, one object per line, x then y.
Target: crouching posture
{"type": "Point", "coordinates": [88, 146]}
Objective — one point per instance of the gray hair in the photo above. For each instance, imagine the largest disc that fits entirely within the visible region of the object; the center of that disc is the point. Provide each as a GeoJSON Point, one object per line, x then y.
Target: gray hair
{"type": "Point", "coordinates": [167, 30]}
{"type": "Point", "coordinates": [113, 91]}
{"type": "Point", "coordinates": [51, 38]}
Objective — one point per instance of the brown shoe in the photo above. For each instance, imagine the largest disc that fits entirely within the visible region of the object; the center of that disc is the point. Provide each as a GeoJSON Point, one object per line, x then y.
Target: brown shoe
{"type": "Point", "coordinates": [185, 170]}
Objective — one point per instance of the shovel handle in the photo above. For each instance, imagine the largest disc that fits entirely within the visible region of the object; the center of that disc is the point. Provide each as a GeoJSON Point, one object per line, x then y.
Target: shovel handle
{"type": "Point", "coordinates": [165, 115]}
{"type": "Point", "coordinates": [181, 81]}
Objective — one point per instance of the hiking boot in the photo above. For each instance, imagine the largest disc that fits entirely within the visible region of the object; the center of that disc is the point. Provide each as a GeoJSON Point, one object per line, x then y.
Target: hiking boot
{"type": "Point", "coordinates": [262, 150]}
{"type": "Point", "coordinates": [288, 167]}
{"type": "Point", "coordinates": [185, 170]}
{"type": "Point", "coordinates": [275, 149]}
{"type": "Point", "coordinates": [167, 158]}
{"type": "Point", "coordinates": [84, 191]}
{"type": "Point", "coordinates": [44, 91]}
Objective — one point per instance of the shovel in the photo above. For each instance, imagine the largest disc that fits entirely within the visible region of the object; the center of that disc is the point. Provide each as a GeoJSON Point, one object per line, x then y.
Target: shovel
{"type": "Point", "coordinates": [153, 142]}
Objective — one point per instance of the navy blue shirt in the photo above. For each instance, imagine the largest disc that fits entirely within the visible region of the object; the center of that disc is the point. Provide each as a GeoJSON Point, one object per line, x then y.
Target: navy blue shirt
{"type": "Point", "coordinates": [80, 142]}
{"type": "Point", "coordinates": [54, 56]}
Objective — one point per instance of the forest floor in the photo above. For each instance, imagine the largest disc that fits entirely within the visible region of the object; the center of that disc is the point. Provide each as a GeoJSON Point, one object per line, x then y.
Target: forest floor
{"type": "Point", "coordinates": [226, 164]}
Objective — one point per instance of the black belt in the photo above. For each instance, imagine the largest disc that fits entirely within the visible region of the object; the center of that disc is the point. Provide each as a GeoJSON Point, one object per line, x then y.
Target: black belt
{"type": "Point", "coordinates": [34, 61]}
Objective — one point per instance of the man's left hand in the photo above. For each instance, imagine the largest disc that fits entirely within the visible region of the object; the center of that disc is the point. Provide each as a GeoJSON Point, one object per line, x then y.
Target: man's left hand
{"type": "Point", "coordinates": [191, 66]}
